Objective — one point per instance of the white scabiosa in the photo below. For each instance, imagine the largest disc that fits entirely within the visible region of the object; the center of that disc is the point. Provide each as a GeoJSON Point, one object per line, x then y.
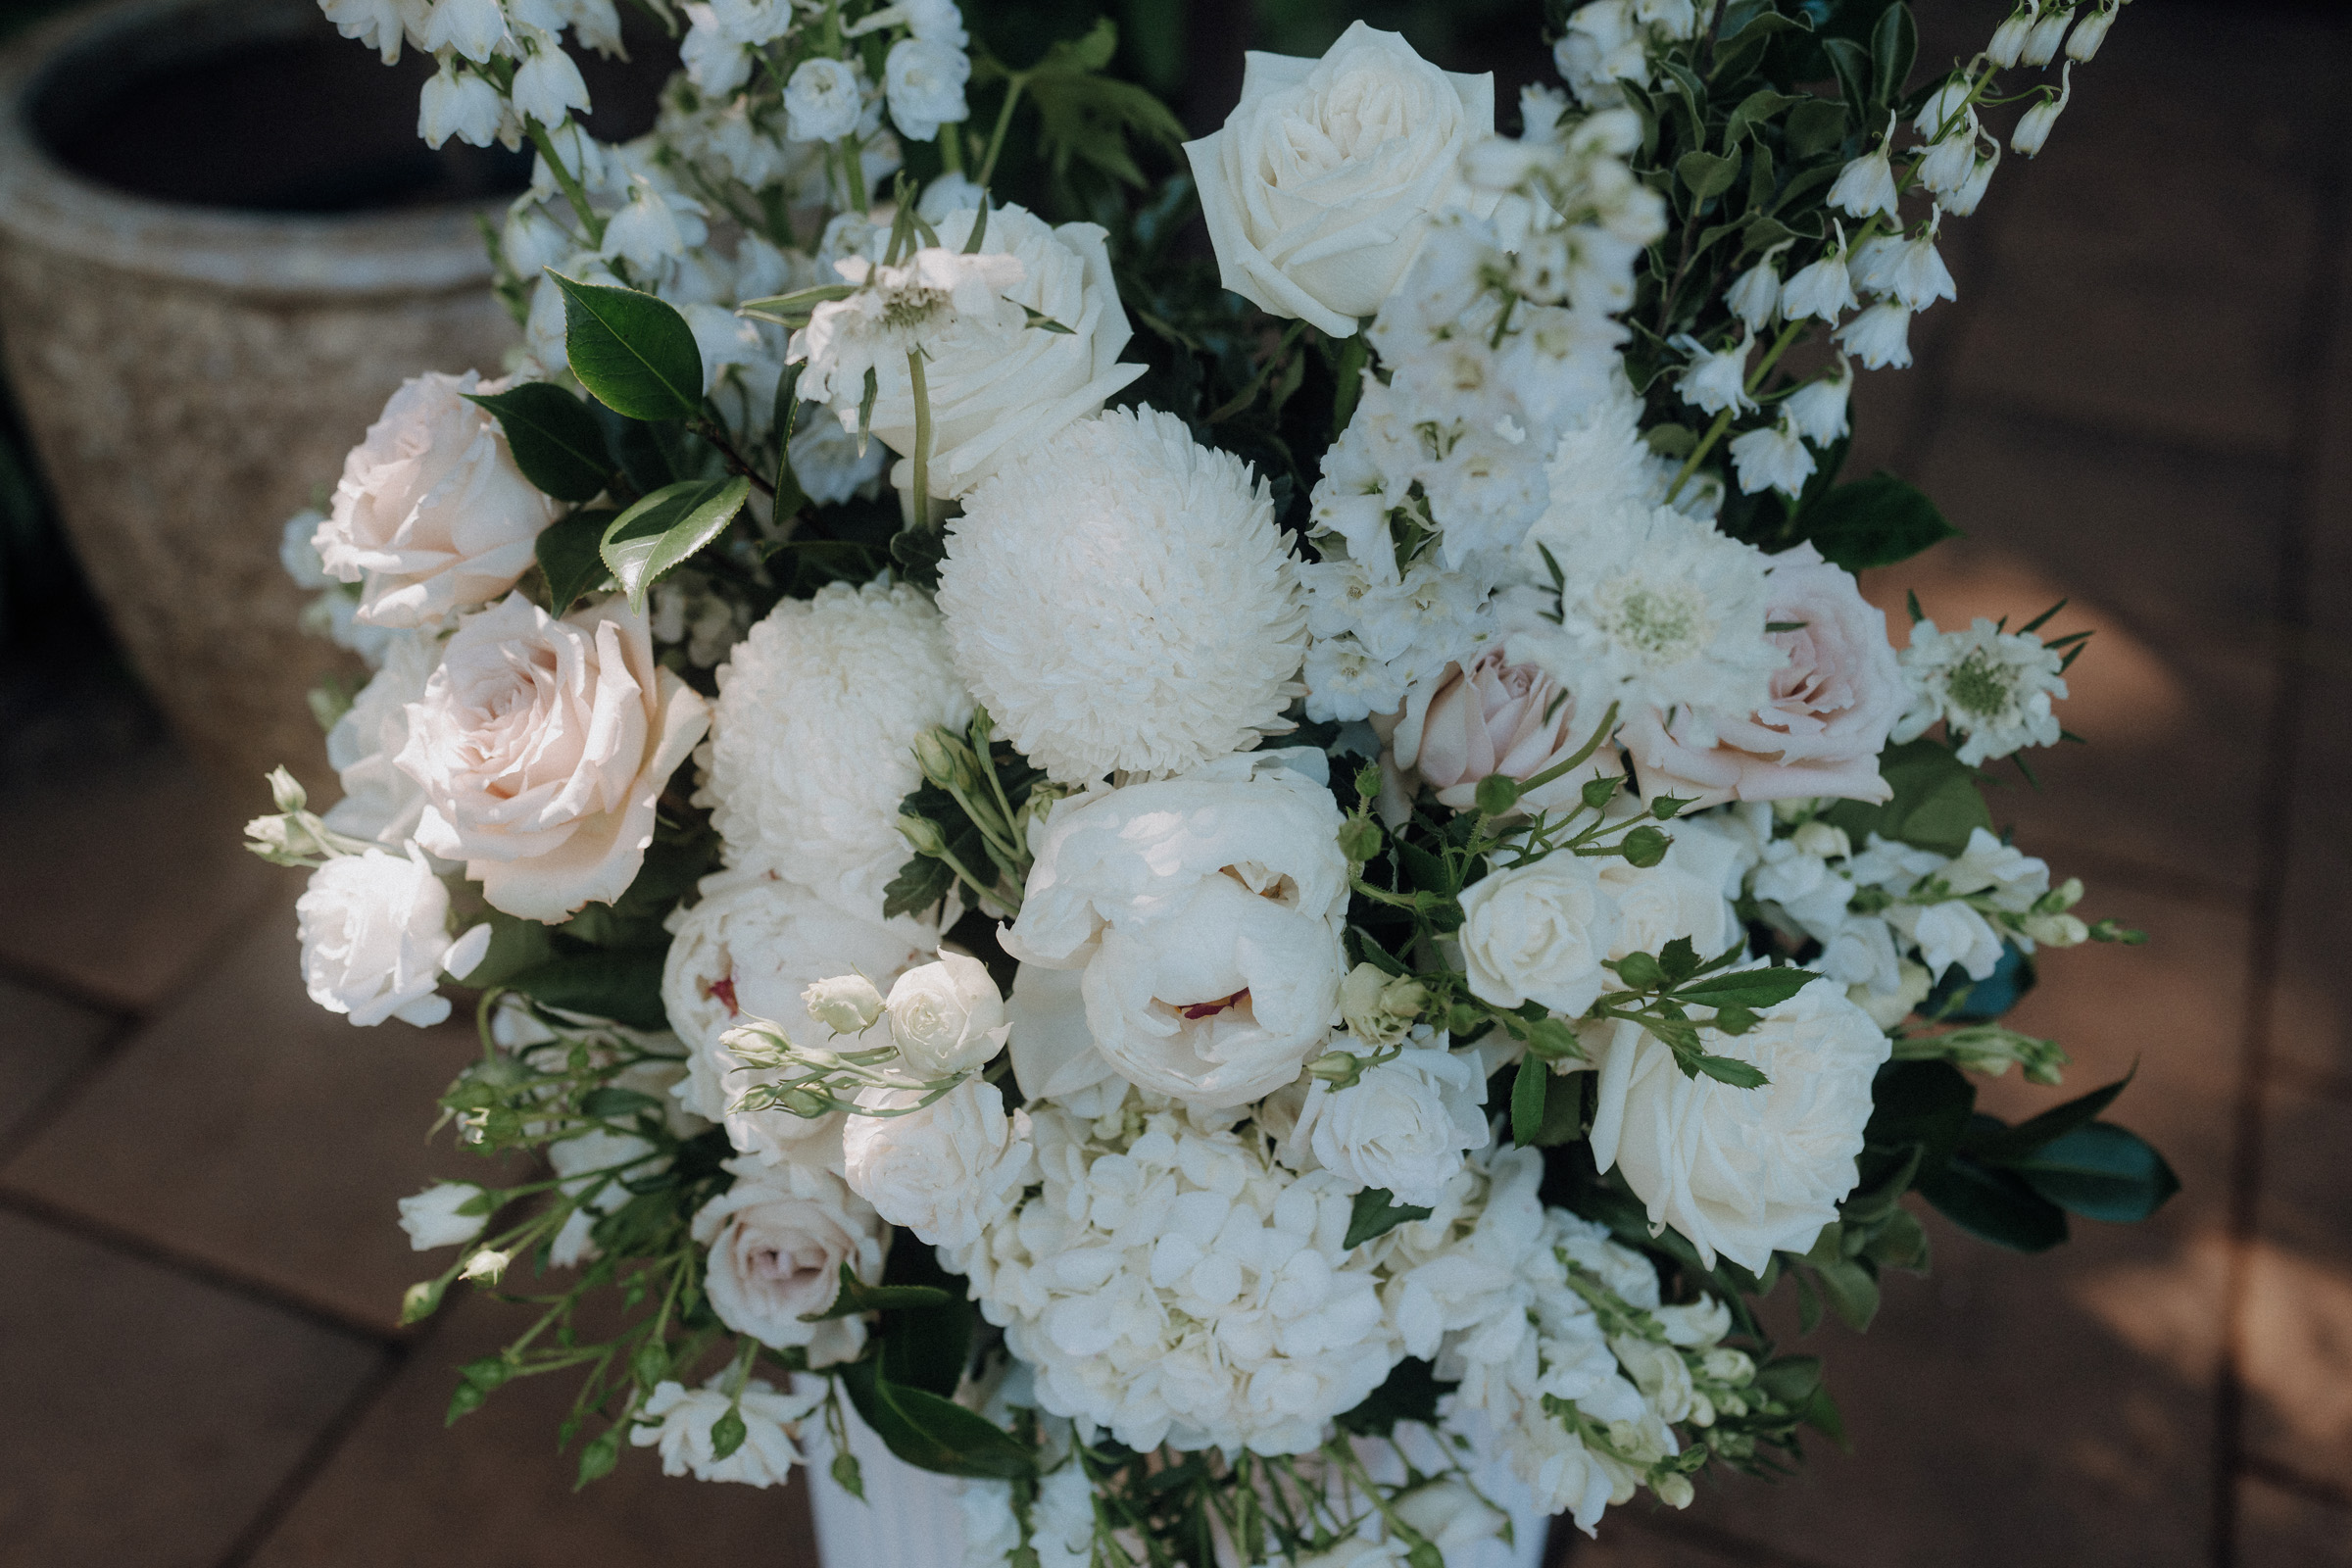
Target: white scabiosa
{"type": "Point", "coordinates": [1994, 687]}
{"type": "Point", "coordinates": [1123, 599]}
{"type": "Point", "coordinates": [812, 738]}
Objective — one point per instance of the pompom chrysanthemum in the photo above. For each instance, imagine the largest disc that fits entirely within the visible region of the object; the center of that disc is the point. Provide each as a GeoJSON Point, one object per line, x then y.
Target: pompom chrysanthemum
{"type": "Point", "coordinates": [1123, 599]}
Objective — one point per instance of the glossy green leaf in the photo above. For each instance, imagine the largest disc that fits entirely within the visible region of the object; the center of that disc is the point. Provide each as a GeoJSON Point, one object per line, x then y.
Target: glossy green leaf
{"type": "Point", "coordinates": [570, 555]}
{"type": "Point", "coordinates": [612, 1103]}
{"type": "Point", "coordinates": [624, 987]}
{"type": "Point", "coordinates": [1893, 46]}
{"type": "Point", "coordinates": [1814, 126]}
{"type": "Point", "coordinates": [1995, 1145]}
{"type": "Point", "coordinates": [1377, 1212]}
{"type": "Point", "coordinates": [1851, 1290]}
{"type": "Point", "coordinates": [1937, 804]}
{"type": "Point", "coordinates": [1873, 522]}
{"type": "Point", "coordinates": [634, 353]}
{"type": "Point", "coordinates": [554, 439]}
{"type": "Point", "coordinates": [1707, 174]}
{"type": "Point", "coordinates": [1729, 1070]}
{"type": "Point", "coordinates": [516, 945]}
{"type": "Point", "coordinates": [1850, 63]}
{"type": "Point", "coordinates": [932, 1433]}
{"type": "Point", "coordinates": [661, 532]}
{"type": "Point", "coordinates": [1410, 1393]}
{"type": "Point", "coordinates": [1529, 1095]}
{"type": "Point", "coordinates": [1746, 987]}
{"type": "Point", "coordinates": [2101, 1171]}
{"type": "Point", "coordinates": [1994, 1205]}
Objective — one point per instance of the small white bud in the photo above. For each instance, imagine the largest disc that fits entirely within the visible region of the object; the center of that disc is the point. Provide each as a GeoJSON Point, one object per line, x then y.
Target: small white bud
{"type": "Point", "coordinates": [486, 1264]}
{"type": "Point", "coordinates": [847, 1003]}
{"type": "Point", "coordinates": [2092, 32]}
{"type": "Point", "coordinates": [2034, 127]}
{"type": "Point", "coordinates": [1964, 200]}
{"type": "Point", "coordinates": [2009, 38]}
{"type": "Point", "coordinates": [1823, 841]}
{"type": "Point", "coordinates": [2049, 30]}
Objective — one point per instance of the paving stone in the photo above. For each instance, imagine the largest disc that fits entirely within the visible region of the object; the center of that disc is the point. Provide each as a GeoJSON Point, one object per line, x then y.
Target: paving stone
{"type": "Point", "coordinates": [2297, 1334]}
{"type": "Point", "coordinates": [154, 1415]}
{"type": "Point", "coordinates": [249, 1129]}
{"type": "Point", "coordinates": [2052, 1410]}
{"type": "Point", "coordinates": [42, 1040]}
{"type": "Point", "coordinates": [401, 1490]}
{"type": "Point", "coordinates": [2281, 1529]}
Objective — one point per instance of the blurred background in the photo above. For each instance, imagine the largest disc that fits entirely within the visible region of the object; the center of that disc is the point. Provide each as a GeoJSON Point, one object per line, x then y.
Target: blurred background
{"type": "Point", "coordinates": [2142, 402]}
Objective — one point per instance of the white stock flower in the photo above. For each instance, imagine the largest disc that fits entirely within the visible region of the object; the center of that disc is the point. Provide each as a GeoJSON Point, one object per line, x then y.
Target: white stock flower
{"type": "Point", "coordinates": [380, 801]}
{"type": "Point", "coordinates": [1538, 932]}
{"type": "Point", "coordinates": [812, 738]}
{"type": "Point", "coordinates": [823, 100]}
{"type": "Point", "coordinates": [432, 1218]}
{"type": "Point", "coordinates": [1772, 457]}
{"type": "Point", "coordinates": [947, 1017]}
{"type": "Point", "coordinates": [1322, 184]}
{"type": "Point", "coordinates": [375, 930]}
{"type": "Point", "coordinates": [1205, 912]}
{"type": "Point", "coordinates": [543, 746]}
{"type": "Point", "coordinates": [944, 1171]}
{"type": "Point", "coordinates": [678, 1421]}
{"type": "Point", "coordinates": [1992, 687]}
{"type": "Point", "coordinates": [1404, 1125]}
{"type": "Point", "coordinates": [778, 1239]}
{"type": "Point", "coordinates": [1123, 599]}
{"type": "Point", "coordinates": [431, 515]}
{"type": "Point", "coordinates": [1742, 1172]}
{"type": "Point", "coordinates": [924, 82]}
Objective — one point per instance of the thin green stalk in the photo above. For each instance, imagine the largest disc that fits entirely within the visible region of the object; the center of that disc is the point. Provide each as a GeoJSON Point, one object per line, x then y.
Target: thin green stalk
{"type": "Point", "coordinates": [1723, 421]}
{"type": "Point", "coordinates": [922, 435]}
{"type": "Point", "coordinates": [996, 139]}
{"type": "Point", "coordinates": [572, 190]}
{"type": "Point", "coordinates": [853, 171]}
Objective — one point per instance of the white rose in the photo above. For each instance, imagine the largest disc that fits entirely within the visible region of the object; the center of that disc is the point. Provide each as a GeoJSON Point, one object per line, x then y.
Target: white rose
{"type": "Point", "coordinates": [947, 1017]}
{"type": "Point", "coordinates": [944, 1171]}
{"type": "Point", "coordinates": [374, 932]}
{"type": "Point", "coordinates": [1538, 932]}
{"type": "Point", "coordinates": [845, 1004]}
{"type": "Point", "coordinates": [1404, 1126]}
{"type": "Point", "coordinates": [1742, 1172]}
{"type": "Point", "coordinates": [380, 802]}
{"type": "Point", "coordinates": [778, 1239]}
{"type": "Point", "coordinates": [1656, 905]}
{"type": "Point", "coordinates": [1205, 912]}
{"type": "Point", "coordinates": [678, 1420]}
{"type": "Point", "coordinates": [432, 1219]}
{"type": "Point", "coordinates": [543, 746]}
{"type": "Point", "coordinates": [432, 513]}
{"type": "Point", "coordinates": [823, 100]}
{"type": "Point", "coordinates": [1321, 185]}
{"type": "Point", "coordinates": [924, 81]}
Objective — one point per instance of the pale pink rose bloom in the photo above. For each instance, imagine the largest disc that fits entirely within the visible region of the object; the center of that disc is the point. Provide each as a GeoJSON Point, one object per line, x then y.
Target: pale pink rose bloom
{"type": "Point", "coordinates": [432, 513]}
{"type": "Point", "coordinates": [1496, 717]}
{"type": "Point", "coordinates": [1831, 705]}
{"type": "Point", "coordinates": [541, 746]}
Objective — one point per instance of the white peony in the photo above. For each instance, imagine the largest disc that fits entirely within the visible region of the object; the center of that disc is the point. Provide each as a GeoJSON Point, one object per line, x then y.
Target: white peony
{"type": "Point", "coordinates": [778, 1239]}
{"type": "Point", "coordinates": [1123, 599]}
{"type": "Point", "coordinates": [812, 738]}
{"type": "Point", "coordinates": [1205, 914]}
{"type": "Point", "coordinates": [375, 930]}
{"type": "Point", "coordinates": [1743, 1172]}
{"type": "Point", "coordinates": [1323, 182]}
{"type": "Point", "coordinates": [432, 1219]}
{"type": "Point", "coordinates": [1538, 932]}
{"type": "Point", "coordinates": [1404, 1126]}
{"type": "Point", "coordinates": [380, 801]}
{"type": "Point", "coordinates": [678, 1420]}
{"type": "Point", "coordinates": [943, 1171]}
{"type": "Point", "coordinates": [947, 1017]}
{"type": "Point", "coordinates": [431, 515]}
{"type": "Point", "coordinates": [543, 746]}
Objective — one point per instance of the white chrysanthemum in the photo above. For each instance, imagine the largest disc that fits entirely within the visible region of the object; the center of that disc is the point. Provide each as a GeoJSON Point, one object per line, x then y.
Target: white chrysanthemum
{"type": "Point", "coordinates": [1991, 686]}
{"type": "Point", "coordinates": [1123, 599]}
{"type": "Point", "coordinates": [1658, 611]}
{"type": "Point", "coordinates": [812, 737]}
{"type": "Point", "coordinates": [1168, 1281]}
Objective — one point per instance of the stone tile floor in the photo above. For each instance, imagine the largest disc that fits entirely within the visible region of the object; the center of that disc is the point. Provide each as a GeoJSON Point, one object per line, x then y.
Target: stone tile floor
{"type": "Point", "coordinates": [2142, 403]}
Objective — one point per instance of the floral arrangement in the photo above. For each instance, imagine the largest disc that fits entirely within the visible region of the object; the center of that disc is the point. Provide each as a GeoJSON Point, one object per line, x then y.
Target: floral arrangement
{"type": "Point", "coordinates": [1248, 893]}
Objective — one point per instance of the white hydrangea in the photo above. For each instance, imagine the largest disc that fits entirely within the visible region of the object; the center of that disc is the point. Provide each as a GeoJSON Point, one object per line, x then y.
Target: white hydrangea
{"type": "Point", "coordinates": [678, 1420]}
{"type": "Point", "coordinates": [812, 737]}
{"type": "Point", "coordinates": [1121, 600]}
{"type": "Point", "coordinates": [1992, 688]}
{"type": "Point", "coordinates": [1168, 1281]}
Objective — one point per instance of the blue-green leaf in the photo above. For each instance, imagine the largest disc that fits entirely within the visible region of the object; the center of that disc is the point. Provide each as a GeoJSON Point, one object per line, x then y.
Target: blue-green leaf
{"type": "Point", "coordinates": [2101, 1172]}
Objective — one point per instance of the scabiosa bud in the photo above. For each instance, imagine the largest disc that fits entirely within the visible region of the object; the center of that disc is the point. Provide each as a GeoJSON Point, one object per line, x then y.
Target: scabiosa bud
{"type": "Point", "coordinates": [2009, 38]}
{"type": "Point", "coordinates": [1866, 184]}
{"type": "Point", "coordinates": [1818, 408]}
{"type": "Point", "coordinates": [2034, 128]}
{"type": "Point", "coordinates": [1717, 379]}
{"type": "Point", "coordinates": [461, 105]}
{"type": "Point", "coordinates": [1773, 458]}
{"type": "Point", "coordinates": [1879, 337]}
{"type": "Point", "coordinates": [2049, 30]}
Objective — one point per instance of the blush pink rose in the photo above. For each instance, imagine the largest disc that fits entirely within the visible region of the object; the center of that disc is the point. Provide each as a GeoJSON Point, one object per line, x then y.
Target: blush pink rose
{"type": "Point", "coordinates": [1496, 717]}
{"type": "Point", "coordinates": [543, 746]}
{"type": "Point", "coordinates": [1831, 706]}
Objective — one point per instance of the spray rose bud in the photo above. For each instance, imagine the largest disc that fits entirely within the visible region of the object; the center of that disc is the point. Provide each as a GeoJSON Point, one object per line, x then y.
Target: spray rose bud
{"type": "Point", "coordinates": [1823, 841]}
{"type": "Point", "coordinates": [940, 758]}
{"type": "Point", "coordinates": [947, 1017]}
{"type": "Point", "coordinates": [486, 1264]}
{"type": "Point", "coordinates": [2057, 930]}
{"type": "Point", "coordinates": [285, 791]}
{"type": "Point", "coordinates": [1380, 1009]}
{"type": "Point", "coordinates": [921, 834]}
{"type": "Point", "coordinates": [846, 1004]}
{"type": "Point", "coordinates": [1337, 1069]}
{"type": "Point", "coordinates": [801, 1103]}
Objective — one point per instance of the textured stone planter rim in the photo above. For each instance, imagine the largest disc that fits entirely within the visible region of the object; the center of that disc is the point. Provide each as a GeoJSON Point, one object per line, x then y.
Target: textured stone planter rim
{"type": "Point", "coordinates": [434, 249]}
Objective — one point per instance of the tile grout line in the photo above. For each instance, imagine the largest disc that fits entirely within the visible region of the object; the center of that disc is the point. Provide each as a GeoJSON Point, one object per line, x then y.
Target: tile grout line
{"type": "Point", "coordinates": [2274, 841]}
{"type": "Point", "coordinates": [318, 1455]}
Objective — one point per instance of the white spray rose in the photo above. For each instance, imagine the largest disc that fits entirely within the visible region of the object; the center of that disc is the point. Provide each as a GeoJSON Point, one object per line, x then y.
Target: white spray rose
{"type": "Point", "coordinates": [432, 513]}
{"type": "Point", "coordinates": [432, 1218]}
{"type": "Point", "coordinates": [1660, 902]}
{"type": "Point", "coordinates": [943, 1171]}
{"type": "Point", "coordinates": [678, 1420]}
{"type": "Point", "coordinates": [924, 81]}
{"type": "Point", "coordinates": [380, 802]}
{"type": "Point", "coordinates": [1538, 932]}
{"type": "Point", "coordinates": [1322, 184]}
{"type": "Point", "coordinates": [778, 1239]}
{"type": "Point", "coordinates": [1741, 1172]}
{"type": "Point", "coordinates": [543, 746]}
{"type": "Point", "coordinates": [1404, 1126]}
{"type": "Point", "coordinates": [1205, 912]}
{"type": "Point", "coordinates": [374, 931]}
{"type": "Point", "coordinates": [948, 1016]}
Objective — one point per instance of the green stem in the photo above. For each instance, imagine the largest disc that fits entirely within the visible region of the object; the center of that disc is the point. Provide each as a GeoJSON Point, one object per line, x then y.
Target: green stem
{"type": "Point", "coordinates": [921, 456]}
{"type": "Point", "coordinates": [853, 171]}
{"type": "Point", "coordinates": [1723, 421]}
{"type": "Point", "coordinates": [996, 139]}
{"type": "Point", "coordinates": [572, 190]}
{"type": "Point", "coordinates": [951, 147]}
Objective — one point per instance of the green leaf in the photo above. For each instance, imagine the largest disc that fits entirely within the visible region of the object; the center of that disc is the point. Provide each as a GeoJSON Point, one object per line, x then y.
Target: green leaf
{"type": "Point", "coordinates": [1410, 1393]}
{"type": "Point", "coordinates": [2101, 1172]}
{"type": "Point", "coordinates": [634, 353]}
{"type": "Point", "coordinates": [658, 534]}
{"type": "Point", "coordinates": [1377, 1212]}
{"type": "Point", "coordinates": [569, 553]}
{"type": "Point", "coordinates": [856, 1297]}
{"type": "Point", "coordinates": [932, 1433]}
{"type": "Point", "coordinates": [1706, 173]}
{"type": "Point", "coordinates": [1936, 805]}
{"type": "Point", "coordinates": [554, 439]}
{"type": "Point", "coordinates": [1893, 46]}
{"type": "Point", "coordinates": [1995, 1145]}
{"type": "Point", "coordinates": [1850, 63]}
{"type": "Point", "coordinates": [1873, 522]}
{"type": "Point", "coordinates": [1821, 1413]}
{"type": "Point", "coordinates": [612, 1103]}
{"type": "Point", "coordinates": [1815, 126]}
{"type": "Point", "coordinates": [790, 497]}
{"type": "Point", "coordinates": [1899, 1241]}
{"type": "Point", "coordinates": [516, 945]}
{"type": "Point", "coordinates": [920, 883]}
{"type": "Point", "coordinates": [622, 986]}
{"type": "Point", "coordinates": [848, 1476]}
{"type": "Point", "coordinates": [1529, 1095]}
{"type": "Point", "coordinates": [1746, 987]}
{"type": "Point", "coordinates": [727, 1433]}
{"type": "Point", "coordinates": [1851, 1290]}
{"type": "Point", "coordinates": [1994, 1205]}
{"type": "Point", "coordinates": [1088, 116]}
{"type": "Point", "coordinates": [1731, 1070]}
{"type": "Point", "coordinates": [1790, 1379]}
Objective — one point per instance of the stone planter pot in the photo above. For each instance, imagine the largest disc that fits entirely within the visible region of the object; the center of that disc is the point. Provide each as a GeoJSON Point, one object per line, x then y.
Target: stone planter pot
{"type": "Point", "coordinates": [220, 253]}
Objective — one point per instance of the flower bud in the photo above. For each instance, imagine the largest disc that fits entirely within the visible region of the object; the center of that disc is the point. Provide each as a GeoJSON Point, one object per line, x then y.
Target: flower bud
{"type": "Point", "coordinates": [846, 1004]}
{"type": "Point", "coordinates": [803, 1102]}
{"type": "Point", "coordinates": [2035, 126]}
{"type": "Point", "coordinates": [2090, 35]}
{"type": "Point", "coordinates": [947, 1017]}
{"type": "Point", "coordinates": [1497, 794]}
{"type": "Point", "coordinates": [921, 835]}
{"type": "Point", "coordinates": [486, 1264]}
{"type": "Point", "coordinates": [1360, 839]}
{"type": "Point", "coordinates": [2042, 44]}
{"type": "Point", "coordinates": [286, 791]}
{"type": "Point", "coordinates": [1823, 841]}
{"type": "Point", "coordinates": [2070, 893]}
{"type": "Point", "coordinates": [939, 757]}
{"type": "Point", "coordinates": [1380, 1008]}
{"type": "Point", "coordinates": [2009, 38]}
{"type": "Point", "coordinates": [2057, 930]}
{"type": "Point", "coordinates": [1337, 1069]}
{"type": "Point", "coordinates": [1673, 1489]}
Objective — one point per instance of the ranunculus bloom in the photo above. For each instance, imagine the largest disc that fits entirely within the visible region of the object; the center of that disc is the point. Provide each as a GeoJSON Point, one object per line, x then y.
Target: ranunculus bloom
{"type": "Point", "coordinates": [947, 1017]}
{"type": "Point", "coordinates": [1538, 932]}
{"type": "Point", "coordinates": [543, 746]}
{"type": "Point", "coordinates": [1741, 1172]}
{"type": "Point", "coordinates": [375, 938]}
{"type": "Point", "coordinates": [1321, 184]}
{"type": "Point", "coordinates": [943, 1171]}
{"type": "Point", "coordinates": [1831, 709]}
{"type": "Point", "coordinates": [1497, 717]}
{"type": "Point", "coordinates": [1206, 911]}
{"type": "Point", "coordinates": [777, 1240]}
{"type": "Point", "coordinates": [432, 515]}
